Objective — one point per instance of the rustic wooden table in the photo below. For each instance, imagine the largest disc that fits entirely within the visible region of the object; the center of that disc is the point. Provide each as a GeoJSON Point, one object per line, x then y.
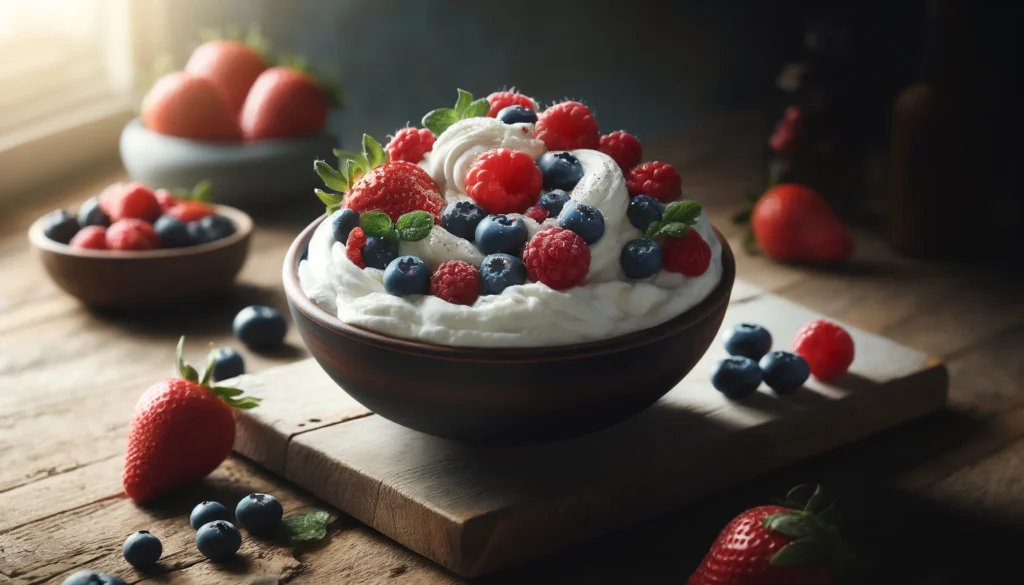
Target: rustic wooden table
{"type": "Point", "coordinates": [936, 501]}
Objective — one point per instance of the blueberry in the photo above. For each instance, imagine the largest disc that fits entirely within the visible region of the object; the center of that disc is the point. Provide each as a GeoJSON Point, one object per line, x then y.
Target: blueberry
{"type": "Point", "coordinates": [461, 218]}
{"type": "Point", "coordinates": [585, 220]}
{"type": "Point", "coordinates": [91, 578]}
{"type": "Point", "coordinates": [784, 372]}
{"type": "Point", "coordinates": [736, 376]}
{"type": "Point", "coordinates": [142, 550]}
{"type": "Point", "coordinates": [90, 213]}
{"type": "Point", "coordinates": [407, 275]}
{"type": "Point", "coordinates": [228, 363]}
{"type": "Point", "coordinates": [560, 170]}
{"type": "Point", "coordinates": [60, 226]}
{"type": "Point", "coordinates": [260, 327]}
{"type": "Point", "coordinates": [260, 514]}
{"type": "Point", "coordinates": [643, 210]}
{"type": "Point", "coordinates": [640, 258]}
{"type": "Point", "coordinates": [500, 271]}
{"type": "Point", "coordinates": [554, 201]}
{"type": "Point", "coordinates": [378, 252]}
{"type": "Point", "coordinates": [173, 232]}
{"type": "Point", "coordinates": [206, 512]}
{"type": "Point", "coordinates": [343, 222]}
{"type": "Point", "coordinates": [210, 229]}
{"type": "Point", "coordinates": [218, 540]}
{"type": "Point", "coordinates": [517, 115]}
{"type": "Point", "coordinates": [504, 234]}
{"type": "Point", "coordinates": [748, 340]}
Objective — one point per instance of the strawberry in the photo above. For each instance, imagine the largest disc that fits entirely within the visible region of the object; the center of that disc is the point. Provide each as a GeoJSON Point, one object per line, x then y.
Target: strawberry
{"type": "Point", "coordinates": [166, 199]}
{"type": "Point", "coordinates": [181, 104]}
{"type": "Point", "coordinates": [793, 223]}
{"type": "Point", "coordinates": [181, 430]}
{"type": "Point", "coordinates": [130, 201]}
{"type": "Point", "coordinates": [284, 102]}
{"type": "Point", "coordinates": [132, 235]}
{"type": "Point", "coordinates": [230, 66]}
{"type": "Point", "coordinates": [187, 211]}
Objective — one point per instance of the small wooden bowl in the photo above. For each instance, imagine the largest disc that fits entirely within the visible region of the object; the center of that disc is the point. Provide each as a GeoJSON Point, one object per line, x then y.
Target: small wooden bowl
{"type": "Point", "coordinates": [110, 279]}
{"type": "Point", "coordinates": [510, 395]}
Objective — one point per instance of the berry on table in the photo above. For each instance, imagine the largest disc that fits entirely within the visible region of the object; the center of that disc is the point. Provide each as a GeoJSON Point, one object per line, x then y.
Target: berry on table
{"type": "Point", "coordinates": [130, 201]}
{"type": "Point", "coordinates": [827, 347]}
{"type": "Point", "coordinates": [501, 234]}
{"type": "Point", "coordinates": [260, 327]}
{"type": "Point", "coordinates": [90, 213]}
{"type": "Point", "coordinates": [748, 340]}
{"type": "Point", "coordinates": [407, 275]}
{"type": "Point", "coordinates": [142, 550]}
{"type": "Point", "coordinates": [218, 540]}
{"type": "Point", "coordinates": [93, 237]}
{"type": "Point", "coordinates": [457, 282]}
{"type": "Point", "coordinates": [460, 218]}
{"type": "Point", "coordinates": [132, 234]}
{"type": "Point", "coordinates": [624, 149]}
{"type": "Point", "coordinates": [206, 512]}
{"type": "Point", "coordinates": [379, 252]}
{"type": "Point", "coordinates": [557, 257]}
{"type": "Point", "coordinates": [517, 115]}
{"type": "Point", "coordinates": [187, 211]}
{"type": "Point", "coordinates": [90, 577]}
{"type": "Point", "coordinates": [689, 255]}
{"type": "Point", "coordinates": [560, 170]}
{"type": "Point", "coordinates": [260, 514]}
{"type": "Point", "coordinates": [500, 271]}
{"type": "Point", "coordinates": [210, 229]}
{"type": "Point", "coordinates": [784, 372]}
{"type": "Point", "coordinates": [640, 258]}
{"type": "Point", "coordinates": [60, 226]}
{"type": "Point", "coordinates": [343, 221]}
{"type": "Point", "coordinates": [354, 247]}
{"type": "Point", "coordinates": [554, 201]}
{"type": "Point", "coordinates": [586, 220]}
{"type": "Point", "coordinates": [504, 181]}
{"type": "Point", "coordinates": [500, 100]}
{"type": "Point", "coordinates": [657, 179]}
{"type": "Point", "coordinates": [410, 144]}
{"type": "Point", "coordinates": [227, 363]}
{"type": "Point", "coordinates": [568, 126]}
{"type": "Point", "coordinates": [172, 232]}
{"type": "Point", "coordinates": [537, 213]}
{"type": "Point", "coordinates": [643, 210]}
{"type": "Point", "coordinates": [736, 376]}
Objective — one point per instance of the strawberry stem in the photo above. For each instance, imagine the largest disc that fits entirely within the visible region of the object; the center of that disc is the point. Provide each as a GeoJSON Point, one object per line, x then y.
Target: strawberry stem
{"type": "Point", "coordinates": [231, 396]}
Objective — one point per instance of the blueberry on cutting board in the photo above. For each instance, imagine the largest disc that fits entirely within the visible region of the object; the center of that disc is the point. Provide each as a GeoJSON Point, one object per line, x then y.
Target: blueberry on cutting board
{"type": "Point", "coordinates": [218, 540]}
{"type": "Point", "coordinates": [142, 550]}
{"type": "Point", "coordinates": [206, 512]}
{"type": "Point", "coordinates": [260, 514]}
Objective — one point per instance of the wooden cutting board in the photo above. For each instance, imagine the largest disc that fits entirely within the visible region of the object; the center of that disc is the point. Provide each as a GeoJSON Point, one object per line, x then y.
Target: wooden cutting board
{"type": "Point", "coordinates": [476, 510]}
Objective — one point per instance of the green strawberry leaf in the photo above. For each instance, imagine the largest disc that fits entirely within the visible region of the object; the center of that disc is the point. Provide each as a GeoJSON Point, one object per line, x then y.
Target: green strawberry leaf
{"type": "Point", "coordinates": [201, 192]}
{"type": "Point", "coordinates": [794, 525]}
{"type": "Point", "coordinates": [346, 155]}
{"type": "Point", "coordinates": [373, 152]}
{"type": "Point", "coordinates": [245, 403]}
{"type": "Point", "coordinates": [331, 200]}
{"type": "Point", "coordinates": [477, 109]}
{"type": "Point", "coordinates": [305, 528]}
{"type": "Point", "coordinates": [673, 230]}
{"type": "Point", "coordinates": [817, 502]}
{"type": "Point", "coordinates": [439, 120]}
{"type": "Point", "coordinates": [186, 371]}
{"type": "Point", "coordinates": [332, 178]}
{"type": "Point", "coordinates": [227, 392]}
{"type": "Point", "coordinates": [414, 226]}
{"type": "Point", "coordinates": [653, 229]}
{"type": "Point", "coordinates": [211, 360]}
{"type": "Point", "coordinates": [376, 224]}
{"type": "Point", "coordinates": [803, 553]}
{"type": "Point", "coordinates": [682, 212]}
{"type": "Point", "coordinates": [463, 103]}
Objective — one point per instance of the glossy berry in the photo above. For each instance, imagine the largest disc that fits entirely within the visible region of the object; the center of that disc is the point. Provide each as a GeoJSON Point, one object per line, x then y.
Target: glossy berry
{"type": "Point", "coordinates": [657, 179]}
{"type": "Point", "coordinates": [500, 271]}
{"type": "Point", "coordinates": [130, 201]}
{"type": "Point", "coordinates": [172, 233]}
{"type": "Point", "coordinates": [187, 211]}
{"type": "Point", "coordinates": [457, 282]}
{"type": "Point", "coordinates": [736, 376]}
{"type": "Point", "coordinates": [500, 100]}
{"type": "Point", "coordinates": [379, 252]}
{"type": "Point", "coordinates": [228, 363]}
{"type": "Point", "coordinates": [557, 257]}
{"type": "Point", "coordinates": [260, 514]}
{"type": "Point", "coordinates": [142, 550]}
{"type": "Point", "coordinates": [210, 229]}
{"type": "Point", "coordinates": [689, 255]}
{"type": "Point", "coordinates": [91, 578]}
{"type": "Point", "coordinates": [537, 213]}
{"type": "Point", "coordinates": [60, 226]}
{"type": "Point", "coordinates": [517, 115]}
{"type": "Point", "coordinates": [554, 201]}
{"type": "Point", "coordinates": [460, 218]}
{"type": "Point", "coordinates": [585, 220]}
{"type": "Point", "coordinates": [643, 210]}
{"type": "Point", "coordinates": [260, 328]}
{"type": "Point", "coordinates": [624, 149]}
{"type": "Point", "coordinates": [93, 237]}
{"type": "Point", "coordinates": [218, 540]}
{"type": "Point", "coordinates": [396, 188]}
{"type": "Point", "coordinates": [407, 275]}
{"type": "Point", "coordinates": [206, 512]}
{"type": "Point", "coordinates": [748, 340]}
{"type": "Point", "coordinates": [567, 126]}
{"type": "Point", "coordinates": [132, 234]}
{"type": "Point", "coordinates": [561, 170]}
{"type": "Point", "coordinates": [504, 181]}
{"type": "Point", "coordinates": [165, 199]}
{"type": "Point", "coordinates": [410, 144]}
{"type": "Point", "coordinates": [343, 221]}
{"type": "Point", "coordinates": [90, 213]}
{"type": "Point", "coordinates": [640, 258]}
{"type": "Point", "coordinates": [827, 347]}
{"type": "Point", "coordinates": [793, 223]}
{"type": "Point", "coordinates": [784, 372]}
{"type": "Point", "coordinates": [501, 234]}
{"type": "Point", "coordinates": [354, 247]}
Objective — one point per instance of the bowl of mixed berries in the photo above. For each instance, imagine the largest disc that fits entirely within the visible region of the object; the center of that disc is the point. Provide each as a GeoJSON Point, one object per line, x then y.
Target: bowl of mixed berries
{"type": "Point", "coordinates": [133, 247]}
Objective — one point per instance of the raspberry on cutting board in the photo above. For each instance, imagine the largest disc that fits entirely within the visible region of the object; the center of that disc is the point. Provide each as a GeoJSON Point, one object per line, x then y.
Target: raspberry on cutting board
{"type": "Point", "coordinates": [827, 347]}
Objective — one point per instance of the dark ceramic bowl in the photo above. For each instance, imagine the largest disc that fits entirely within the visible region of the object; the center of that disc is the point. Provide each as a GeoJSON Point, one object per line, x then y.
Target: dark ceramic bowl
{"type": "Point", "coordinates": [510, 395]}
{"type": "Point", "coordinates": [110, 279]}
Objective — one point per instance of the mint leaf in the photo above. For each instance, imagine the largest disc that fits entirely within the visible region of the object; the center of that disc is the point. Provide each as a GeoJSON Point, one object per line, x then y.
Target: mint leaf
{"type": "Point", "coordinates": [328, 198]}
{"type": "Point", "coordinates": [683, 212]}
{"type": "Point", "coordinates": [201, 192]}
{"type": "Point", "coordinates": [414, 226]}
{"type": "Point", "coordinates": [438, 121]}
{"type": "Point", "coordinates": [652, 229]}
{"type": "Point", "coordinates": [465, 98]}
{"type": "Point", "coordinates": [305, 528]}
{"type": "Point", "coordinates": [375, 155]}
{"type": "Point", "coordinates": [376, 224]}
{"type": "Point", "coordinates": [673, 230]}
{"type": "Point", "coordinates": [329, 176]}
{"type": "Point", "coordinates": [477, 109]}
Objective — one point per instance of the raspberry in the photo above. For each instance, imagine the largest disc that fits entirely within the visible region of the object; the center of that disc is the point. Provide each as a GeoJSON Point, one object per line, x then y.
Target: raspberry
{"type": "Point", "coordinates": [504, 181]}
{"type": "Point", "coordinates": [567, 126]}
{"type": "Point", "coordinates": [500, 100]}
{"type": "Point", "coordinates": [187, 211]}
{"type": "Point", "coordinates": [456, 282]}
{"type": "Point", "coordinates": [132, 234]}
{"type": "Point", "coordinates": [557, 257]}
{"type": "Point", "coordinates": [689, 255]}
{"type": "Point", "coordinates": [396, 188]}
{"type": "Point", "coordinates": [354, 247]}
{"type": "Point", "coordinates": [93, 237]}
{"type": "Point", "coordinates": [410, 144]}
{"type": "Point", "coordinates": [537, 213]}
{"type": "Point", "coordinates": [657, 179]}
{"type": "Point", "coordinates": [132, 201]}
{"type": "Point", "coordinates": [827, 347]}
{"type": "Point", "coordinates": [165, 199]}
{"type": "Point", "coordinates": [624, 149]}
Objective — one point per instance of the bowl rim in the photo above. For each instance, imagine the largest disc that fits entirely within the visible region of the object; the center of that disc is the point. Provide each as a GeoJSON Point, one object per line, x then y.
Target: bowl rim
{"type": "Point", "coordinates": [703, 310]}
{"type": "Point", "coordinates": [136, 125]}
{"type": "Point", "coordinates": [242, 221]}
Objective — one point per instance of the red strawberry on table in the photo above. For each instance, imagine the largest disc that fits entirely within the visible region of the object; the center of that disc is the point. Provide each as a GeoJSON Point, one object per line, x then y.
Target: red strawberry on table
{"type": "Point", "coordinates": [284, 102]}
{"type": "Point", "coordinates": [181, 104]}
{"type": "Point", "coordinates": [793, 223]}
{"type": "Point", "coordinates": [181, 430]}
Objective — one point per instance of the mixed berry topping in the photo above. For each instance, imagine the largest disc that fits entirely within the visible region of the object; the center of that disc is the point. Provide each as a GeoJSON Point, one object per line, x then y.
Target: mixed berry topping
{"type": "Point", "coordinates": [560, 170]}
{"type": "Point", "coordinates": [567, 126]}
{"type": "Point", "coordinates": [624, 149]}
{"type": "Point", "coordinates": [457, 282]}
{"type": "Point", "coordinates": [504, 181]}
{"type": "Point", "coordinates": [517, 115]}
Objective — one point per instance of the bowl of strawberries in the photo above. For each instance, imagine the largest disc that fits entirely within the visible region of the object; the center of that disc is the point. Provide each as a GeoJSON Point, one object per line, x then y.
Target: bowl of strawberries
{"type": "Point", "coordinates": [131, 247]}
{"type": "Point", "coordinates": [238, 116]}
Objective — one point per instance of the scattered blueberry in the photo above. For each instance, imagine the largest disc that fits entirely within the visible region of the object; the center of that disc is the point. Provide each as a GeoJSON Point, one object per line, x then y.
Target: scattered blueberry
{"type": "Point", "coordinates": [461, 218]}
{"type": "Point", "coordinates": [210, 229]}
{"type": "Point", "coordinates": [91, 578]}
{"type": "Point", "coordinates": [60, 226]}
{"type": "Point", "coordinates": [260, 514]}
{"type": "Point", "coordinates": [643, 210]}
{"type": "Point", "coordinates": [173, 232]}
{"type": "Point", "coordinates": [640, 258]}
{"type": "Point", "coordinates": [517, 115]}
{"type": "Point", "coordinates": [500, 271]}
{"type": "Point", "coordinates": [142, 550]}
{"type": "Point", "coordinates": [227, 363]}
{"type": "Point", "coordinates": [378, 252]}
{"type": "Point", "coordinates": [218, 540]}
{"type": "Point", "coordinates": [343, 221]}
{"type": "Point", "coordinates": [260, 327]}
{"type": "Point", "coordinates": [748, 340]}
{"type": "Point", "coordinates": [784, 372]}
{"type": "Point", "coordinates": [407, 275]}
{"type": "Point", "coordinates": [554, 201]}
{"type": "Point", "coordinates": [505, 234]}
{"type": "Point", "coordinates": [206, 512]}
{"type": "Point", "coordinates": [585, 220]}
{"type": "Point", "coordinates": [90, 213]}
{"type": "Point", "coordinates": [560, 170]}
{"type": "Point", "coordinates": [736, 376]}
